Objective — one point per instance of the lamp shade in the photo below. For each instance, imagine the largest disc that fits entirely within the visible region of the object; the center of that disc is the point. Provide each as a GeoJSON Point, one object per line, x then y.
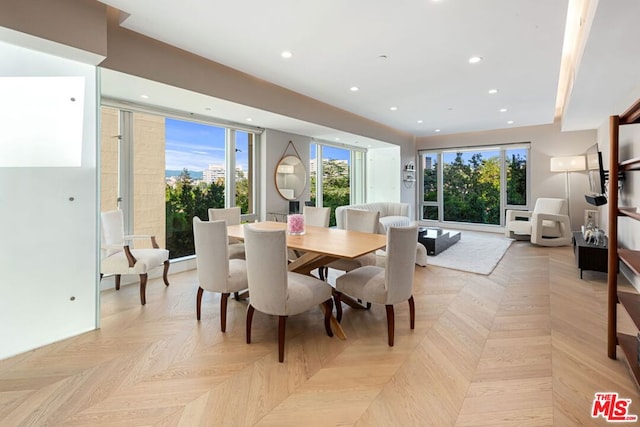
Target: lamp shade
{"type": "Point", "coordinates": [567, 164]}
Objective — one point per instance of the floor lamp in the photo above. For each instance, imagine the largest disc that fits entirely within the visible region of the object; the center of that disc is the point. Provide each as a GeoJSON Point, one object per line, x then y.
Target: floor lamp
{"type": "Point", "coordinates": [566, 165]}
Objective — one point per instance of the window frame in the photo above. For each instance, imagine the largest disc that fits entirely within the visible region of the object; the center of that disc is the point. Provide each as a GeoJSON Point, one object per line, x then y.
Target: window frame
{"type": "Point", "coordinates": [503, 205]}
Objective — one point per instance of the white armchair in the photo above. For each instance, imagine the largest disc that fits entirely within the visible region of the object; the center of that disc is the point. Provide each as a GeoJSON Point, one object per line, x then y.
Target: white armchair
{"type": "Point", "coordinates": [547, 225]}
{"type": "Point", "coordinates": [118, 258]}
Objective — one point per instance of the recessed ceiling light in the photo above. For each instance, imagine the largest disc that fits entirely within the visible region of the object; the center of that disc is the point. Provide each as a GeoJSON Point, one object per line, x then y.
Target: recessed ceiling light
{"type": "Point", "coordinates": [354, 88]}
{"type": "Point", "coordinates": [437, 130]}
{"type": "Point", "coordinates": [249, 119]}
{"type": "Point", "coordinates": [510, 122]}
{"type": "Point", "coordinates": [493, 91]}
{"type": "Point", "coordinates": [503, 110]}
{"type": "Point", "coordinates": [369, 146]}
{"type": "Point", "coordinates": [475, 59]}
{"type": "Point", "coordinates": [286, 54]}
{"type": "Point", "coordinates": [419, 121]}
{"type": "Point", "coordinates": [337, 139]}
{"type": "Point", "coordinates": [144, 96]}
{"type": "Point", "coordinates": [393, 108]}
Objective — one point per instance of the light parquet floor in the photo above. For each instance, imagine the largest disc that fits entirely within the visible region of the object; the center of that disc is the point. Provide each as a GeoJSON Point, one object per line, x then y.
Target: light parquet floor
{"type": "Point", "coordinates": [525, 346]}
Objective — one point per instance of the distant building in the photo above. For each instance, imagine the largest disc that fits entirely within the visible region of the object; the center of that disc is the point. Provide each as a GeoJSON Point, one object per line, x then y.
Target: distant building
{"type": "Point", "coordinates": [212, 174]}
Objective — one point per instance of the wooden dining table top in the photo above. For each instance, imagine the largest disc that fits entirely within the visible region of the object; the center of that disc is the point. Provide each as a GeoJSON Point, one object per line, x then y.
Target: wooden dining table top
{"type": "Point", "coordinates": [334, 242]}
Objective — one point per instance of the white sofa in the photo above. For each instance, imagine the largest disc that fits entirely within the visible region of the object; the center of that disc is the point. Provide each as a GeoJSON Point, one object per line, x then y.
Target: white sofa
{"type": "Point", "coordinates": [392, 214]}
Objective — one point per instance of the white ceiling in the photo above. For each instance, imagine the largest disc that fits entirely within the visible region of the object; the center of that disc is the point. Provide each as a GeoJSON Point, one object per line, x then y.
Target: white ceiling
{"type": "Point", "coordinates": [338, 44]}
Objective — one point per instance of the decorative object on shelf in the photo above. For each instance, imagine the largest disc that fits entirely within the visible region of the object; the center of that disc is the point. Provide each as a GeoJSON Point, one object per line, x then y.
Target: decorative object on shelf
{"type": "Point", "coordinates": [591, 219]}
{"type": "Point", "coordinates": [594, 236]}
{"type": "Point", "coordinates": [291, 175]}
{"type": "Point", "coordinates": [566, 165]}
{"type": "Point", "coordinates": [409, 173]}
{"type": "Point", "coordinates": [295, 224]}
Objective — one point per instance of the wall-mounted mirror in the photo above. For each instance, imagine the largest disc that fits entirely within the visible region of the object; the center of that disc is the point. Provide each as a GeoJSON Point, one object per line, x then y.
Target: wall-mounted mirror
{"type": "Point", "coordinates": [291, 177]}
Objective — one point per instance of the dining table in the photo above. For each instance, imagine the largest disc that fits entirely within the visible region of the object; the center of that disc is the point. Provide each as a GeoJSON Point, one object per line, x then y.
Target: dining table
{"type": "Point", "coordinates": [319, 246]}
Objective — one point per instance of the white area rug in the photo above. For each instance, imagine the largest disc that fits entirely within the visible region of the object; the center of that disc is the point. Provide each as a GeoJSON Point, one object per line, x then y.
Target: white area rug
{"type": "Point", "coordinates": [476, 252]}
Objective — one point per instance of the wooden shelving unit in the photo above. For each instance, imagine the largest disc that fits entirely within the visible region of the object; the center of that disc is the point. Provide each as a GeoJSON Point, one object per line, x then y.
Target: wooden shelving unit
{"type": "Point", "coordinates": [631, 258]}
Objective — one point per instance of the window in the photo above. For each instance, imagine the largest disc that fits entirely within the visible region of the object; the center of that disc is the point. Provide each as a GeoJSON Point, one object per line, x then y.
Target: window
{"type": "Point", "coordinates": [474, 185]}
{"type": "Point", "coordinates": [338, 179]}
{"type": "Point", "coordinates": [162, 171]}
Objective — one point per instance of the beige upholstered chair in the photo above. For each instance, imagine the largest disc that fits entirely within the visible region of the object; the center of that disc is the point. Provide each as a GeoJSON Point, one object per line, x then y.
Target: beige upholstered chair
{"type": "Point", "coordinates": [274, 290]}
{"type": "Point", "coordinates": [364, 222]}
{"type": "Point", "coordinates": [547, 225]}
{"type": "Point", "coordinates": [118, 258]}
{"type": "Point", "coordinates": [390, 285]}
{"type": "Point", "coordinates": [232, 217]}
{"type": "Point", "coordinates": [216, 272]}
{"type": "Point", "coordinates": [318, 217]}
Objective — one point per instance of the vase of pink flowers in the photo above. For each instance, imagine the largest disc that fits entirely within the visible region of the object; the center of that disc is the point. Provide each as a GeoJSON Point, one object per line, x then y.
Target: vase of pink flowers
{"type": "Point", "coordinates": [295, 224]}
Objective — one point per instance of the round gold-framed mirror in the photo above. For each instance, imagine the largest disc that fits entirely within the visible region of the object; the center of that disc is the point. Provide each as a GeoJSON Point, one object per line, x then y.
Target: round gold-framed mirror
{"type": "Point", "coordinates": [290, 177]}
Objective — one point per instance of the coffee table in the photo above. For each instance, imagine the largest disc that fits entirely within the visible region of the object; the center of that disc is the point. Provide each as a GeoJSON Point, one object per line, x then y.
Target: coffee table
{"type": "Point", "coordinates": [436, 239]}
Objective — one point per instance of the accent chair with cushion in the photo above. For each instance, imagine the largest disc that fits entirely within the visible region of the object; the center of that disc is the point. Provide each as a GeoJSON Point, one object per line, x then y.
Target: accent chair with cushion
{"type": "Point", "coordinates": [216, 272]}
{"type": "Point", "coordinates": [547, 225]}
{"type": "Point", "coordinates": [118, 258]}
{"type": "Point", "coordinates": [232, 217]}
{"type": "Point", "coordinates": [387, 285]}
{"type": "Point", "coordinates": [276, 291]}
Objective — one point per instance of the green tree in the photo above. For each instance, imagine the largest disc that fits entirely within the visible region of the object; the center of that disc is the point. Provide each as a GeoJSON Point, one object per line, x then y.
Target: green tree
{"type": "Point", "coordinates": [335, 186]}
{"type": "Point", "coordinates": [184, 201]}
{"type": "Point", "coordinates": [516, 180]}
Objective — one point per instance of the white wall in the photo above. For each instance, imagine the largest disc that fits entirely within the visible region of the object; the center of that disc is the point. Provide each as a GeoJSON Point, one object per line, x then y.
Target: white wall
{"type": "Point", "coordinates": [383, 175]}
{"type": "Point", "coordinates": [272, 146]}
{"type": "Point", "coordinates": [546, 141]}
{"type": "Point", "coordinates": [48, 246]}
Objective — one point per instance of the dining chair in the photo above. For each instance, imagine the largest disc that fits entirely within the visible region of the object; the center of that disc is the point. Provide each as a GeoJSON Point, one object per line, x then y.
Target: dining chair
{"type": "Point", "coordinates": [390, 285]}
{"type": "Point", "coordinates": [364, 222]}
{"type": "Point", "coordinates": [232, 217]}
{"type": "Point", "coordinates": [216, 272]}
{"type": "Point", "coordinates": [318, 217]}
{"type": "Point", "coordinates": [276, 291]}
{"type": "Point", "coordinates": [118, 257]}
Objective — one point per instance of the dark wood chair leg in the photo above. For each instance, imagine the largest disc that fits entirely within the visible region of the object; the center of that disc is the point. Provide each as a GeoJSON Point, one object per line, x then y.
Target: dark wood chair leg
{"type": "Point", "coordinates": [282, 323]}
{"type": "Point", "coordinates": [412, 313]}
{"type": "Point", "coordinates": [223, 311]}
{"type": "Point", "coordinates": [117, 282]}
{"type": "Point", "coordinates": [165, 272]}
{"type": "Point", "coordinates": [143, 288]}
{"type": "Point", "coordinates": [250, 311]}
{"type": "Point", "coordinates": [390, 323]}
{"type": "Point", "coordinates": [368, 306]}
{"type": "Point", "coordinates": [328, 304]}
{"type": "Point", "coordinates": [199, 302]}
{"type": "Point", "coordinates": [337, 295]}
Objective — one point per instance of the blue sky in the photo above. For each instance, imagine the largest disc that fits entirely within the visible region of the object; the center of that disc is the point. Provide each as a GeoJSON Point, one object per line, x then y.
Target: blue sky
{"type": "Point", "coordinates": [195, 146]}
{"type": "Point", "coordinates": [332, 153]}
